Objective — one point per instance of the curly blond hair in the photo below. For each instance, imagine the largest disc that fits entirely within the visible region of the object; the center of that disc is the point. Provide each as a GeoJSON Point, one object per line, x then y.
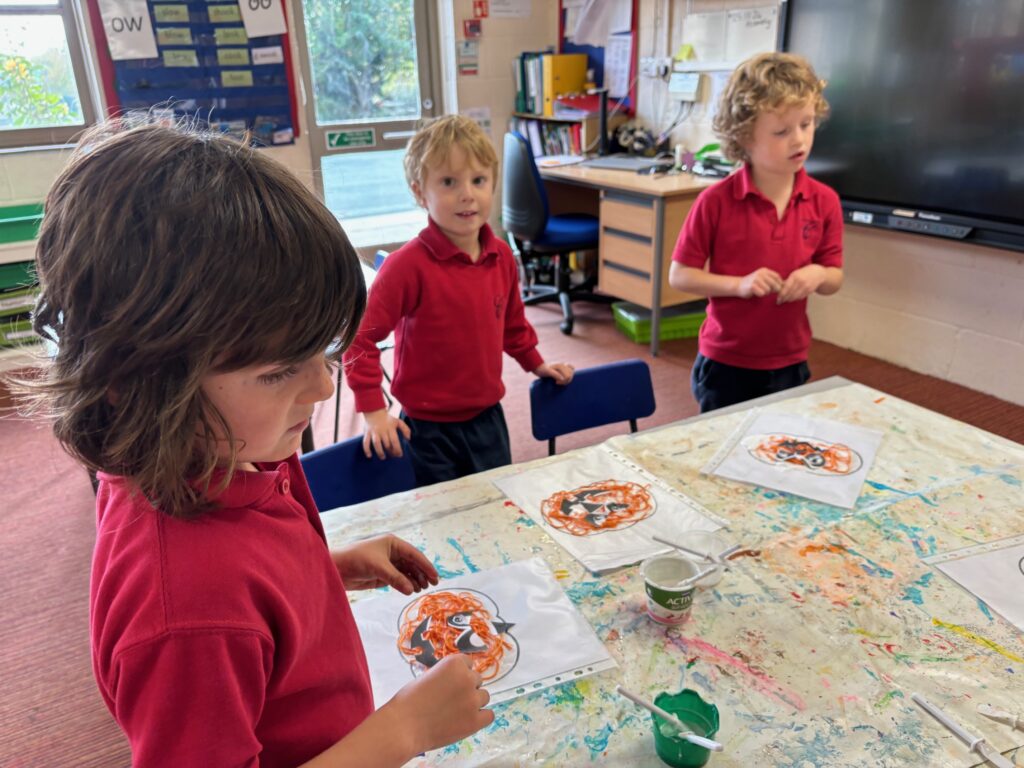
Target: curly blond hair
{"type": "Point", "coordinates": [434, 141]}
{"type": "Point", "coordinates": [765, 83]}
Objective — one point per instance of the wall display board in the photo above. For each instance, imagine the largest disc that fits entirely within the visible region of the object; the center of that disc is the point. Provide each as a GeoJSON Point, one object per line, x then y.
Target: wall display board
{"type": "Point", "coordinates": [228, 65]}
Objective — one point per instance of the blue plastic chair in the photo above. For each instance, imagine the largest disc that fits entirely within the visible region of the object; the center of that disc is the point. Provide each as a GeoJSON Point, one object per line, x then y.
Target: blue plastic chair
{"type": "Point", "coordinates": [604, 394]}
{"type": "Point", "coordinates": [340, 474]}
{"type": "Point", "coordinates": [527, 218]}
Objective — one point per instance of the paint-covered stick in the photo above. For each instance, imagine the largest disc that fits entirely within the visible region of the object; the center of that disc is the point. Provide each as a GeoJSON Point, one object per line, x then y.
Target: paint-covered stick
{"type": "Point", "coordinates": [687, 550]}
{"type": "Point", "coordinates": [1002, 716]}
{"type": "Point", "coordinates": [684, 730]}
{"type": "Point", "coordinates": [974, 743]}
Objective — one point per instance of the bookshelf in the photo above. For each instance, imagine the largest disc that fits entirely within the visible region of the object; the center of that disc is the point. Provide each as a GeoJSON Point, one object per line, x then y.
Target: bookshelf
{"type": "Point", "coordinates": [587, 137]}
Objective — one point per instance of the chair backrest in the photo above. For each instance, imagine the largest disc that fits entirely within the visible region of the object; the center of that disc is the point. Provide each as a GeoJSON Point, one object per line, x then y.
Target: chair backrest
{"type": "Point", "coordinates": [524, 204]}
{"type": "Point", "coordinates": [340, 474]}
{"type": "Point", "coordinates": [604, 394]}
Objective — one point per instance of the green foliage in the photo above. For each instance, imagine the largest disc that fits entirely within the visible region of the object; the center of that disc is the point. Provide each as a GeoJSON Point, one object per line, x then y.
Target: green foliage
{"type": "Point", "coordinates": [363, 54]}
{"type": "Point", "coordinates": [33, 97]}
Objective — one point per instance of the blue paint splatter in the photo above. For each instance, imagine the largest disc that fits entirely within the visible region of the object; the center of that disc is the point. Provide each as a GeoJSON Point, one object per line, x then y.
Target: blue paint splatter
{"type": "Point", "coordinates": [985, 610]}
{"type": "Point", "coordinates": [597, 743]}
{"type": "Point", "coordinates": [501, 553]}
{"type": "Point", "coordinates": [913, 593]}
{"type": "Point", "coordinates": [525, 521]}
{"type": "Point", "coordinates": [583, 590]}
{"type": "Point", "coordinates": [870, 567]}
{"type": "Point", "coordinates": [904, 494]}
{"type": "Point", "coordinates": [443, 572]}
{"type": "Point", "coordinates": [1011, 480]}
{"type": "Point", "coordinates": [473, 568]}
{"type": "Point", "coordinates": [702, 680]}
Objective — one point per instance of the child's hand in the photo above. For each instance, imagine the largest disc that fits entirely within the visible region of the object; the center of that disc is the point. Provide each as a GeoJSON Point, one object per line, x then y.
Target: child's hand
{"type": "Point", "coordinates": [562, 373]}
{"type": "Point", "coordinates": [444, 705]}
{"type": "Point", "coordinates": [381, 436]}
{"type": "Point", "coordinates": [759, 283]}
{"type": "Point", "coordinates": [384, 561]}
{"type": "Point", "coordinates": [801, 283]}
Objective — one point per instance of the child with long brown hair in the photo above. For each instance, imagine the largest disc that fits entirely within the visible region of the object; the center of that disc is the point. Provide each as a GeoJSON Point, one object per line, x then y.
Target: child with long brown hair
{"type": "Point", "coordinates": [197, 296]}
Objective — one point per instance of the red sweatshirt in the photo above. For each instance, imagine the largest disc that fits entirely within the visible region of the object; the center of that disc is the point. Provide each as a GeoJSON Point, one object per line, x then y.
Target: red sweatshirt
{"type": "Point", "coordinates": [452, 320]}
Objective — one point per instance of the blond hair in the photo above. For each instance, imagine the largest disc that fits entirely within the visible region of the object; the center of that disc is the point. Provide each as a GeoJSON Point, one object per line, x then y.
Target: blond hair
{"type": "Point", "coordinates": [434, 141]}
{"type": "Point", "coordinates": [166, 254]}
{"type": "Point", "coordinates": [765, 83]}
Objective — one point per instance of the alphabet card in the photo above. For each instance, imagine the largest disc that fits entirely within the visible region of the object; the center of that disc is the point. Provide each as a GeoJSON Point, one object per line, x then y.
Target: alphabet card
{"type": "Point", "coordinates": [603, 509]}
{"type": "Point", "coordinates": [129, 29]}
{"type": "Point", "coordinates": [818, 459]}
{"type": "Point", "coordinates": [520, 629]}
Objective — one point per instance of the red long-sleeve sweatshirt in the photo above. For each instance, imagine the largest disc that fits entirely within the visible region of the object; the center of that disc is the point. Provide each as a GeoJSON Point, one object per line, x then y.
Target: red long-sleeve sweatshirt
{"type": "Point", "coordinates": [452, 320]}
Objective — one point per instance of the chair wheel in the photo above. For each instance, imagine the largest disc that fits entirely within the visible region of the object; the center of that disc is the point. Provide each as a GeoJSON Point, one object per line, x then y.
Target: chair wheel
{"type": "Point", "coordinates": [566, 327]}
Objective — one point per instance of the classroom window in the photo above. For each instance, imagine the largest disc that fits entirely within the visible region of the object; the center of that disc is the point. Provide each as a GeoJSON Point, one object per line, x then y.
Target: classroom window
{"type": "Point", "coordinates": [45, 98]}
{"type": "Point", "coordinates": [363, 55]}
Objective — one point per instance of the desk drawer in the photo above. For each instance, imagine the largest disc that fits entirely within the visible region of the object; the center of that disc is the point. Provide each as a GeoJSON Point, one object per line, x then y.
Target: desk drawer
{"type": "Point", "coordinates": [637, 219]}
{"type": "Point", "coordinates": [621, 281]}
{"type": "Point", "coordinates": [629, 251]}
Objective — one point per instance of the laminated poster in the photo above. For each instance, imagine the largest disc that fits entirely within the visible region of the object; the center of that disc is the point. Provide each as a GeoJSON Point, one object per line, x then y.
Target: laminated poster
{"type": "Point", "coordinates": [992, 572]}
{"type": "Point", "coordinates": [818, 459]}
{"type": "Point", "coordinates": [515, 622]}
{"type": "Point", "coordinates": [603, 509]}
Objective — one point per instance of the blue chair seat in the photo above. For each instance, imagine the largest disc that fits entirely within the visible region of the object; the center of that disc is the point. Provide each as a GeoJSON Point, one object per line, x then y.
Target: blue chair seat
{"type": "Point", "coordinates": [340, 475]}
{"type": "Point", "coordinates": [568, 231]}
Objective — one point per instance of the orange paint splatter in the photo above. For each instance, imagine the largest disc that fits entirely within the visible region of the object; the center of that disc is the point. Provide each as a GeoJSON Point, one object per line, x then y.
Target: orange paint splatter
{"type": "Point", "coordinates": [879, 399]}
{"type": "Point", "coordinates": [602, 506]}
{"type": "Point", "coordinates": [442, 633]}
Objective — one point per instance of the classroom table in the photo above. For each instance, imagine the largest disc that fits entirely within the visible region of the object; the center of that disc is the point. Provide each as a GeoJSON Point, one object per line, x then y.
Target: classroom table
{"type": "Point", "coordinates": [640, 217]}
{"type": "Point", "coordinates": [811, 649]}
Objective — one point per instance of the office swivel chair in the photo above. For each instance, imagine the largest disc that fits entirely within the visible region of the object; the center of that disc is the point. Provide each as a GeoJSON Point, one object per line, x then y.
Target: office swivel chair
{"type": "Point", "coordinates": [536, 233]}
{"type": "Point", "coordinates": [340, 475]}
{"type": "Point", "coordinates": [603, 394]}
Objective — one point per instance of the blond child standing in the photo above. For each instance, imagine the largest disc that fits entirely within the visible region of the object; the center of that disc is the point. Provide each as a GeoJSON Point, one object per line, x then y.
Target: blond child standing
{"type": "Point", "coordinates": [451, 295]}
{"type": "Point", "coordinates": [769, 235]}
{"type": "Point", "coordinates": [171, 263]}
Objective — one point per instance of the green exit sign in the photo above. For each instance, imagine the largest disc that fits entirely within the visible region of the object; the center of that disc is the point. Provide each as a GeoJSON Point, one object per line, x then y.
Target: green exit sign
{"type": "Point", "coordinates": [351, 139]}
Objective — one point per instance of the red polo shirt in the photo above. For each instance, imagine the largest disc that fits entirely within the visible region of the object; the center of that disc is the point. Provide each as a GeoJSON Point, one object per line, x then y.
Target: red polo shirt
{"type": "Point", "coordinates": [452, 319]}
{"type": "Point", "coordinates": [735, 229]}
{"type": "Point", "coordinates": [227, 640]}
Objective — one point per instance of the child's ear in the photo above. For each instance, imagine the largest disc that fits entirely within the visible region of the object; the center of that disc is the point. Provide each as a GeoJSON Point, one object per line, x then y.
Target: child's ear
{"type": "Point", "coordinates": [417, 192]}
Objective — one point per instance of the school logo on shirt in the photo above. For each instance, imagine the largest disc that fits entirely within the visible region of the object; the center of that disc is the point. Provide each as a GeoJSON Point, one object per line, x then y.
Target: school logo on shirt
{"type": "Point", "coordinates": [811, 230]}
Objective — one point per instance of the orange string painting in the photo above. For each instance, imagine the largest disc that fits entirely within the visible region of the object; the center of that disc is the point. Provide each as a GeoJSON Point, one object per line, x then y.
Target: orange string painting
{"type": "Point", "coordinates": [607, 505]}
{"type": "Point", "coordinates": [818, 457]}
{"type": "Point", "coordinates": [441, 623]}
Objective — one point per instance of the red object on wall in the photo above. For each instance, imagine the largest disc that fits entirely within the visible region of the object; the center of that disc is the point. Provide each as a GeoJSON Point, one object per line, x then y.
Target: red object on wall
{"type": "Point", "coordinates": [480, 9]}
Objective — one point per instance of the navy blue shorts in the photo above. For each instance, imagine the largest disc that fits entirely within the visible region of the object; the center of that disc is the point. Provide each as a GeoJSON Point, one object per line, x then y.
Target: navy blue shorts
{"type": "Point", "coordinates": [445, 450]}
{"type": "Point", "coordinates": [716, 385]}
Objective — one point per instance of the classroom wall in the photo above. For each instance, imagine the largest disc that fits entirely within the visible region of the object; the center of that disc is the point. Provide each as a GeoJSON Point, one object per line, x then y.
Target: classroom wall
{"type": "Point", "coordinates": [935, 306]}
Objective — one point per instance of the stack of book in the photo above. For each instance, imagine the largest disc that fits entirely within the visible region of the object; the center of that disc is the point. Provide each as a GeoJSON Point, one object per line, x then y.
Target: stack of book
{"type": "Point", "coordinates": [547, 138]}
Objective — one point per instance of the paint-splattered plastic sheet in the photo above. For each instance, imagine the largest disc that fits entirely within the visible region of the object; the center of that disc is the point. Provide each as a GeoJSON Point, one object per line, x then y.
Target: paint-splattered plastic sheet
{"type": "Point", "coordinates": [992, 572]}
{"type": "Point", "coordinates": [815, 458]}
{"type": "Point", "coordinates": [503, 619]}
{"type": "Point", "coordinates": [810, 646]}
{"type": "Point", "coordinates": [604, 510]}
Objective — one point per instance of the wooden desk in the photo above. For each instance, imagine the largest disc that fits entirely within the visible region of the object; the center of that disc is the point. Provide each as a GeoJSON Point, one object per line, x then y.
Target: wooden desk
{"type": "Point", "coordinates": [812, 649]}
{"type": "Point", "coordinates": [640, 219]}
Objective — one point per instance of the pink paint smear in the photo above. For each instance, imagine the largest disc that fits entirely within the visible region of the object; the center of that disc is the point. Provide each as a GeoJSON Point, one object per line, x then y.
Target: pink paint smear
{"type": "Point", "coordinates": [760, 681]}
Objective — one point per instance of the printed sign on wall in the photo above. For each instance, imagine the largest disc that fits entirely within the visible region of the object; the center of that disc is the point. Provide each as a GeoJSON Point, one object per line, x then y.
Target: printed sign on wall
{"type": "Point", "coordinates": [129, 30]}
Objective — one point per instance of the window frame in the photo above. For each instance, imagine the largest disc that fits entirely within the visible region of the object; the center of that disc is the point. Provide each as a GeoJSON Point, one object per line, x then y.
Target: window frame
{"type": "Point", "coordinates": [74, 34]}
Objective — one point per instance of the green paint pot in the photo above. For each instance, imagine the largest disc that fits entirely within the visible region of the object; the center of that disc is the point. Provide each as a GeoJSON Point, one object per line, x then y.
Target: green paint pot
{"type": "Point", "coordinates": [701, 717]}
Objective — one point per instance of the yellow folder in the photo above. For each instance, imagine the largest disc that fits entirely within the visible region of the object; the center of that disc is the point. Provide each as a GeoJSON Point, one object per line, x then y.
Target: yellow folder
{"type": "Point", "coordinates": [563, 73]}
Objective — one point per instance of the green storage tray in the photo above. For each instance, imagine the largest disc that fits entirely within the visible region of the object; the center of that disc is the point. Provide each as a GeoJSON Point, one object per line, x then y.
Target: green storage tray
{"type": "Point", "coordinates": [681, 321]}
{"type": "Point", "coordinates": [20, 223]}
{"type": "Point", "coordinates": [17, 330]}
{"type": "Point", "coordinates": [20, 274]}
{"type": "Point", "coordinates": [18, 302]}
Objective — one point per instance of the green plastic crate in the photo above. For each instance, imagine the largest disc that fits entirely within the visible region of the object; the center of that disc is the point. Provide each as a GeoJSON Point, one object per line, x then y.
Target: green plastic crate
{"type": "Point", "coordinates": [20, 223]}
{"type": "Point", "coordinates": [18, 275]}
{"type": "Point", "coordinates": [18, 302]}
{"type": "Point", "coordinates": [682, 321]}
{"type": "Point", "coordinates": [16, 330]}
